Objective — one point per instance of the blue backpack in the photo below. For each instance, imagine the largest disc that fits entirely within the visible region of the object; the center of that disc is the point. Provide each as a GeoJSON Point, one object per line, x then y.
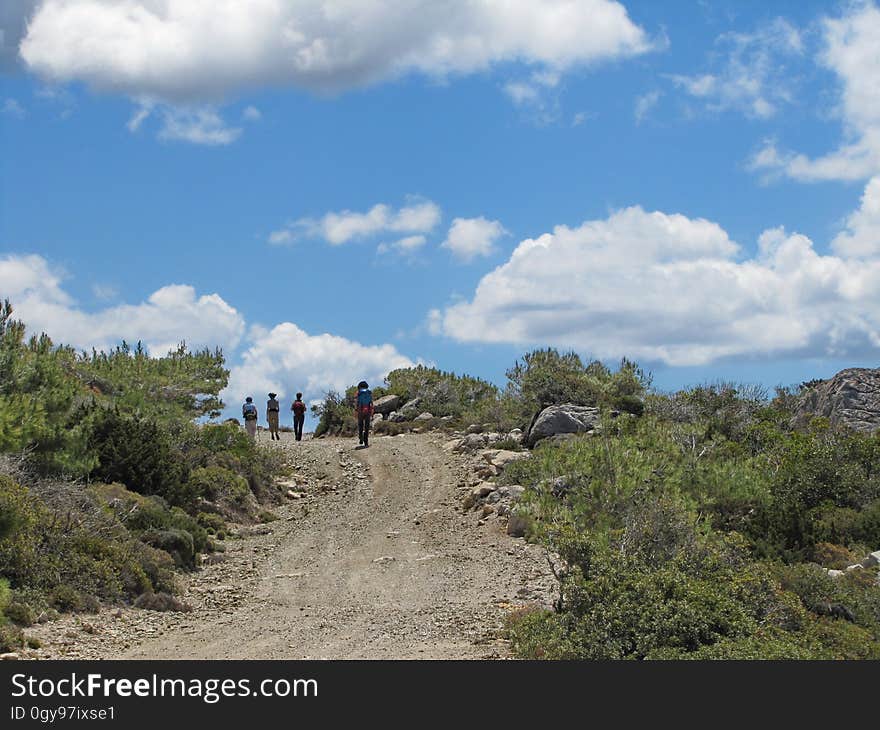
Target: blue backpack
{"type": "Point", "coordinates": [365, 399]}
{"type": "Point", "coordinates": [249, 411]}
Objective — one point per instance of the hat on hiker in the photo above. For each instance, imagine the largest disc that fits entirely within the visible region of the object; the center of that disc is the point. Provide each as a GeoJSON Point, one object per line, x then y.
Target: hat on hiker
{"type": "Point", "coordinates": [363, 384]}
{"type": "Point", "coordinates": [248, 399]}
{"type": "Point", "coordinates": [272, 395]}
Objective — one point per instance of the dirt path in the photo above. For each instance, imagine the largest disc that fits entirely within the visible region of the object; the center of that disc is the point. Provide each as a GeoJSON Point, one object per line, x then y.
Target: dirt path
{"type": "Point", "coordinates": [378, 561]}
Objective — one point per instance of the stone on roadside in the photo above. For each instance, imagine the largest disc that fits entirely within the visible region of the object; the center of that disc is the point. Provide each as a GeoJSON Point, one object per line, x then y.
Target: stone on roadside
{"type": "Point", "coordinates": [567, 418]}
{"type": "Point", "coordinates": [387, 404]}
{"type": "Point", "coordinates": [424, 416]}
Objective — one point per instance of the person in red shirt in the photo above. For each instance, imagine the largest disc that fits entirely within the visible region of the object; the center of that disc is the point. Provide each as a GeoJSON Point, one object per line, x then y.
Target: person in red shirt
{"type": "Point", "coordinates": [299, 416]}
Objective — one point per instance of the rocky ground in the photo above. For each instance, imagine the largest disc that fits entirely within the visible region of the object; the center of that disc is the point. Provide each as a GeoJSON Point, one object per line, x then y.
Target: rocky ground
{"type": "Point", "coordinates": [373, 556]}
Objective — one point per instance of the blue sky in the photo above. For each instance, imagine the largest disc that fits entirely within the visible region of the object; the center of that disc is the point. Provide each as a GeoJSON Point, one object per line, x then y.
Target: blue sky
{"type": "Point", "coordinates": [330, 189]}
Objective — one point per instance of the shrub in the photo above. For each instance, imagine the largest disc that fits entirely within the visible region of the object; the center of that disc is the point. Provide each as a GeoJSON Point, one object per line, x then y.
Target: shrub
{"type": "Point", "coordinates": [217, 484]}
{"type": "Point", "coordinates": [11, 638]}
{"type": "Point", "coordinates": [160, 602]}
{"type": "Point", "coordinates": [178, 544]}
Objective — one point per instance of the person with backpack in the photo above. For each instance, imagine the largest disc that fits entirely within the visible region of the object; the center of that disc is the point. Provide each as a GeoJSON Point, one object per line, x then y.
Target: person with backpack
{"type": "Point", "coordinates": [364, 411]}
{"type": "Point", "coordinates": [299, 416]}
{"type": "Point", "coordinates": [250, 416]}
{"type": "Point", "coordinates": [273, 411]}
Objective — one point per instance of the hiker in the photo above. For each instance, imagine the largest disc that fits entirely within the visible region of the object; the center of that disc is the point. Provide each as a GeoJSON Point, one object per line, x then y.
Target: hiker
{"type": "Point", "coordinates": [299, 416]}
{"type": "Point", "coordinates": [250, 416]}
{"type": "Point", "coordinates": [273, 411]}
{"type": "Point", "coordinates": [364, 411]}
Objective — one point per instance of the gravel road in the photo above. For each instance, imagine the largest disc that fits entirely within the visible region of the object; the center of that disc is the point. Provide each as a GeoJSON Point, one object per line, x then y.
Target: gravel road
{"type": "Point", "coordinates": [376, 561]}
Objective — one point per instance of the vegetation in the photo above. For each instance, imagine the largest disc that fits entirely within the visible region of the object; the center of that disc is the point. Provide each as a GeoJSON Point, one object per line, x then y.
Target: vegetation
{"type": "Point", "coordinates": [703, 529]}
{"type": "Point", "coordinates": [107, 483]}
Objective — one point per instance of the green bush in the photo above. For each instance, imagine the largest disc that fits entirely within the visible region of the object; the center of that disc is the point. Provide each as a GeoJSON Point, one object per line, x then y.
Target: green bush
{"type": "Point", "coordinates": [177, 543]}
{"type": "Point", "coordinates": [216, 484]}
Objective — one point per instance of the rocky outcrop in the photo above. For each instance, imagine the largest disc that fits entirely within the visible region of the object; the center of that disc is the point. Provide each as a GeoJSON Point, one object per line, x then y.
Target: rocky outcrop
{"type": "Point", "coordinates": [562, 419]}
{"type": "Point", "coordinates": [387, 404]}
{"type": "Point", "coordinates": [851, 398]}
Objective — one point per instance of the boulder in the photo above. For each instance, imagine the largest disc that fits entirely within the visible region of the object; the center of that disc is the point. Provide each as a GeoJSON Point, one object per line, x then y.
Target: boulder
{"type": "Point", "coordinates": [851, 398]}
{"type": "Point", "coordinates": [424, 417]}
{"type": "Point", "coordinates": [567, 418]}
{"type": "Point", "coordinates": [386, 404]}
{"type": "Point", "coordinates": [516, 435]}
{"type": "Point", "coordinates": [395, 417]}
{"type": "Point", "coordinates": [474, 428]}
{"type": "Point", "coordinates": [872, 560]}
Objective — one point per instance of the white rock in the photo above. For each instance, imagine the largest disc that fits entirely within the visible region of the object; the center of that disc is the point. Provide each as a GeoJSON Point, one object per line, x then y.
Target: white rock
{"type": "Point", "coordinates": [424, 416]}
{"type": "Point", "coordinates": [8, 657]}
{"type": "Point", "coordinates": [834, 573]}
{"type": "Point", "coordinates": [872, 560]}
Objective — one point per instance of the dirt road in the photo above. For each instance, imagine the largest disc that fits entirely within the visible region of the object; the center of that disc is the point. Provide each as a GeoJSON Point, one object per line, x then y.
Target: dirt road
{"type": "Point", "coordinates": [377, 561]}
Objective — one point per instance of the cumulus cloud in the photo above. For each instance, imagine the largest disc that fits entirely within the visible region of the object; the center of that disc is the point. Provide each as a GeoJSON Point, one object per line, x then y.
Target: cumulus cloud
{"type": "Point", "coordinates": [337, 228]}
{"type": "Point", "coordinates": [665, 287]}
{"type": "Point", "coordinates": [861, 239]}
{"type": "Point", "coordinates": [751, 76]}
{"type": "Point", "coordinates": [287, 359]}
{"type": "Point", "coordinates": [171, 315]}
{"type": "Point", "coordinates": [469, 238]}
{"type": "Point", "coordinates": [196, 51]}
{"type": "Point", "coordinates": [852, 52]}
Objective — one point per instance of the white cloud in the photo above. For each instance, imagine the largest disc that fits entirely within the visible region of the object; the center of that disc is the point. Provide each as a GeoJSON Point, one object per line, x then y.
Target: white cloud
{"type": "Point", "coordinates": [861, 239]}
{"type": "Point", "coordinates": [346, 226]}
{"type": "Point", "coordinates": [472, 237]}
{"type": "Point", "coordinates": [286, 359]}
{"type": "Point", "coordinates": [407, 245]}
{"type": "Point", "coordinates": [664, 287]}
{"type": "Point", "coordinates": [752, 77]}
{"type": "Point", "coordinates": [197, 51]}
{"type": "Point", "coordinates": [169, 316]}
{"type": "Point", "coordinates": [12, 108]}
{"type": "Point", "coordinates": [645, 103]}
{"type": "Point", "coordinates": [852, 52]}
{"type": "Point", "coordinates": [198, 126]}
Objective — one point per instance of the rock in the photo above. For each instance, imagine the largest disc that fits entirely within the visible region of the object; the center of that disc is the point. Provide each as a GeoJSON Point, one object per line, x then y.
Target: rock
{"type": "Point", "coordinates": [424, 417]}
{"type": "Point", "coordinates": [451, 445]}
{"type": "Point", "coordinates": [563, 419]}
{"type": "Point", "coordinates": [517, 525]}
{"type": "Point", "coordinates": [503, 457]}
{"type": "Point", "coordinates": [872, 560]}
{"type": "Point", "coordinates": [483, 489]}
{"type": "Point", "coordinates": [386, 404]}
{"type": "Point", "coordinates": [493, 497]}
{"type": "Point", "coordinates": [395, 417]}
{"type": "Point", "coordinates": [446, 419]}
{"type": "Point", "coordinates": [851, 398]}
{"type": "Point", "coordinates": [9, 656]}
{"type": "Point", "coordinates": [409, 408]}
{"type": "Point", "coordinates": [857, 566]}
{"type": "Point", "coordinates": [503, 509]}
{"type": "Point", "coordinates": [474, 428]}
{"type": "Point", "coordinates": [472, 442]}
{"type": "Point", "coordinates": [488, 509]}
{"type": "Point", "coordinates": [384, 559]}
{"type": "Point", "coordinates": [516, 435]}
{"type": "Point", "coordinates": [516, 491]}
{"type": "Point", "coordinates": [834, 573]}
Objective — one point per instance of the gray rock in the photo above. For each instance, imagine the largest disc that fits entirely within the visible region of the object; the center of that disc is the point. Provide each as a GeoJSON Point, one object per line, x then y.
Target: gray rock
{"type": "Point", "coordinates": [516, 435]}
{"type": "Point", "coordinates": [386, 404]}
{"type": "Point", "coordinates": [409, 408]}
{"type": "Point", "coordinates": [851, 398]}
{"type": "Point", "coordinates": [516, 491]}
{"type": "Point", "coordinates": [567, 418]}
{"type": "Point", "coordinates": [424, 416]}
{"type": "Point", "coordinates": [834, 573]}
{"type": "Point", "coordinates": [395, 417]}
{"type": "Point", "coordinates": [493, 497]}
{"type": "Point", "coordinates": [474, 428]}
{"type": "Point", "coordinates": [472, 442]}
{"type": "Point", "coordinates": [872, 560]}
